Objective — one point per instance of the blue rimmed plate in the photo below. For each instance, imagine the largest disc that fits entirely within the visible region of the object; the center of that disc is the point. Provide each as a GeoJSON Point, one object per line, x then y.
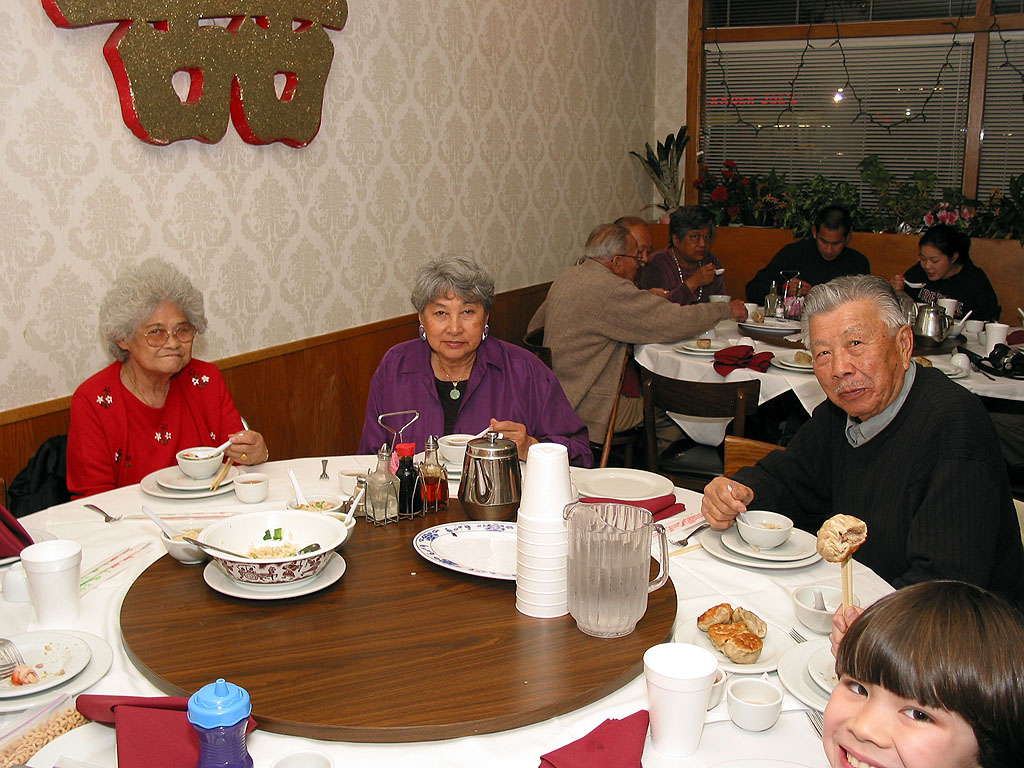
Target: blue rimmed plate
{"type": "Point", "coordinates": [477, 547]}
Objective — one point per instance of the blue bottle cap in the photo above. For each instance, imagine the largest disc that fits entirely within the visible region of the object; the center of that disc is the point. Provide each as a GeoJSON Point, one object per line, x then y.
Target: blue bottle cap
{"type": "Point", "coordinates": [218, 704]}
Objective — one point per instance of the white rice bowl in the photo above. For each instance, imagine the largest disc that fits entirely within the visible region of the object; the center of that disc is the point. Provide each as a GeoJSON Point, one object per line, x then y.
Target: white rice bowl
{"type": "Point", "coordinates": [244, 533]}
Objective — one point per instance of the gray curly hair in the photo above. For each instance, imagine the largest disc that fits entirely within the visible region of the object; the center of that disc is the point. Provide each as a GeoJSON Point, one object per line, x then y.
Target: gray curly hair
{"type": "Point", "coordinates": [135, 295]}
{"type": "Point", "coordinates": [452, 274]}
{"type": "Point", "coordinates": [826, 297]}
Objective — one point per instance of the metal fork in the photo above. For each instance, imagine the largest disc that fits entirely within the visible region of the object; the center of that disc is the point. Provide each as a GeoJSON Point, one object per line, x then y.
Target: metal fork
{"type": "Point", "coordinates": [10, 657]}
{"type": "Point", "coordinates": [690, 535]}
{"type": "Point", "coordinates": [797, 637]}
{"type": "Point", "coordinates": [107, 518]}
{"type": "Point", "coordinates": [817, 721]}
{"type": "Point", "coordinates": [323, 474]}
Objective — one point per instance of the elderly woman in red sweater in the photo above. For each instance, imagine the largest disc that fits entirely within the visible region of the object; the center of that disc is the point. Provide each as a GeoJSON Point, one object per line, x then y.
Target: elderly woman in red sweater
{"type": "Point", "coordinates": [131, 418]}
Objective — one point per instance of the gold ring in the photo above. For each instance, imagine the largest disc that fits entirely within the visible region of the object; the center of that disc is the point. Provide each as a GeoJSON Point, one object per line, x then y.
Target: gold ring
{"type": "Point", "coordinates": [244, 457]}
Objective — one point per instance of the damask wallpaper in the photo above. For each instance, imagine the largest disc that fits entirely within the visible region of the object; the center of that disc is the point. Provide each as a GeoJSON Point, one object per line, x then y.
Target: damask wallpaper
{"type": "Point", "coordinates": [495, 129]}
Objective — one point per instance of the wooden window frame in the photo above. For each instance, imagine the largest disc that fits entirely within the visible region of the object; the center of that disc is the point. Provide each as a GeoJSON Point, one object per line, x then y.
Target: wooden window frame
{"type": "Point", "coordinates": [980, 24]}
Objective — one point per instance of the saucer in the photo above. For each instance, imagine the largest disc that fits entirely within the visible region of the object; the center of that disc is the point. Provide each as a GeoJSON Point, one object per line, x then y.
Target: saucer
{"type": "Point", "coordinates": [215, 577]}
{"type": "Point", "coordinates": [173, 479]}
{"type": "Point", "coordinates": [151, 487]}
{"type": "Point", "coordinates": [690, 347]}
{"type": "Point", "coordinates": [712, 543]}
{"type": "Point", "coordinates": [799, 546]}
{"type": "Point", "coordinates": [796, 679]}
{"type": "Point", "coordinates": [821, 668]}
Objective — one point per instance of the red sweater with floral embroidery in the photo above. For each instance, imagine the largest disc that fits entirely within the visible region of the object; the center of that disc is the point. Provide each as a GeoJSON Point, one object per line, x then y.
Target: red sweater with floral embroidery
{"type": "Point", "coordinates": [115, 439]}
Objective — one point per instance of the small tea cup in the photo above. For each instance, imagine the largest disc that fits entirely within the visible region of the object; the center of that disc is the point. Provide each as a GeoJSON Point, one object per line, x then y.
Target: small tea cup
{"type": "Point", "coordinates": [252, 487]}
{"type": "Point", "coordinates": [754, 704]}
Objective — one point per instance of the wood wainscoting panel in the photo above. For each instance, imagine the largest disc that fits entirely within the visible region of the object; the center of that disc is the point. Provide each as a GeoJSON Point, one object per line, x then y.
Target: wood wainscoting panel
{"type": "Point", "coordinates": [307, 397]}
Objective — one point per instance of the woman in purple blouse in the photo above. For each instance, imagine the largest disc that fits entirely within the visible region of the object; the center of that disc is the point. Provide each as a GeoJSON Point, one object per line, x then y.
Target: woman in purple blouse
{"type": "Point", "coordinates": [687, 269]}
{"type": "Point", "coordinates": [461, 380]}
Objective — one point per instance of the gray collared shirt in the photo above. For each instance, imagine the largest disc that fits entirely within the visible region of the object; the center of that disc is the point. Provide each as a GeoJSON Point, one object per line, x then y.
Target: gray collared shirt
{"type": "Point", "coordinates": [859, 432]}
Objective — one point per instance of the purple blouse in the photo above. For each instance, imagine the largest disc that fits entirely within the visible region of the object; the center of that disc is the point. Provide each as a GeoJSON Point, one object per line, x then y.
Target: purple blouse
{"type": "Point", "coordinates": [508, 383]}
{"type": "Point", "coordinates": [661, 272]}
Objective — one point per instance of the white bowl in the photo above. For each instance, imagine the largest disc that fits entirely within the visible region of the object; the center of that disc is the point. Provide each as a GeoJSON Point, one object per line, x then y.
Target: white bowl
{"type": "Point", "coordinates": [453, 448]}
{"type": "Point", "coordinates": [182, 551]}
{"type": "Point", "coordinates": [252, 487]}
{"type": "Point", "coordinates": [757, 535]}
{"type": "Point", "coordinates": [321, 503]}
{"type": "Point", "coordinates": [716, 298]}
{"type": "Point", "coordinates": [242, 533]}
{"type": "Point", "coordinates": [816, 619]}
{"type": "Point", "coordinates": [195, 467]}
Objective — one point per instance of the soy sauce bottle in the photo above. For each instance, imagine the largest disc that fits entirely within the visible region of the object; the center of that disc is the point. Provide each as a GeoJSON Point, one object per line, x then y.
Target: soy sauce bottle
{"type": "Point", "coordinates": [408, 499]}
{"type": "Point", "coordinates": [433, 480]}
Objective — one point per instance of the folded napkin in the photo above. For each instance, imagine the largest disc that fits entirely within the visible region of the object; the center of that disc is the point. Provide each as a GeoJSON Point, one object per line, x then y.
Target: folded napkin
{"type": "Point", "coordinates": [613, 744]}
{"type": "Point", "coordinates": [13, 538]}
{"type": "Point", "coordinates": [741, 356]}
{"type": "Point", "coordinates": [1017, 337]}
{"type": "Point", "coordinates": [152, 731]}
{"type": "Point", "coordinates": [660, 506]}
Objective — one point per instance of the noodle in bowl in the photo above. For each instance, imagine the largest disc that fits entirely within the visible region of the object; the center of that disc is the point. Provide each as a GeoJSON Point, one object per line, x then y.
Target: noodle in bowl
{"type": "Point", "coordinates": [269, 535]}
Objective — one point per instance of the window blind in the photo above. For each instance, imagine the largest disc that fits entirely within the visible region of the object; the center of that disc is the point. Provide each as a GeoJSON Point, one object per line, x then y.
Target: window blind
{"type": "Point", "coordinates": [757, 13]}
{"type": "Point", "coordinates": [1002, 145]}
{"type": "Point", "coordinates": [825, 132]}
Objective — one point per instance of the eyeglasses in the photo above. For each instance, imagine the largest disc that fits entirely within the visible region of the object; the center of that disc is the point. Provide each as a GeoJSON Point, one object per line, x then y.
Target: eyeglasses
{"type": "Point", "coordinates": [157, 337]}
{"type": "Point", "coordinates": [638, 259]}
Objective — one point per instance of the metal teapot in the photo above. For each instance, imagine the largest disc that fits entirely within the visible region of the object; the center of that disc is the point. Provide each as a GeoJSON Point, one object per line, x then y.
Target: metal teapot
{"type": "Point", "coordinates": [492, 482]}
{"type": "Point", "coordinates": [932, 325]}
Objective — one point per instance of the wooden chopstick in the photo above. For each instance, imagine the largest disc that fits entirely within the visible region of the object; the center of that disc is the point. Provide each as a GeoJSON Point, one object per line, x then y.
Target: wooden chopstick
{"type": "Point", "coordinates": [221, 475]}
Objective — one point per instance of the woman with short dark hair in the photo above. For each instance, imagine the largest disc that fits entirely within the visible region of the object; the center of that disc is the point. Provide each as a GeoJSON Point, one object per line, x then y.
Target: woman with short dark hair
{"type": "Point", "coordinates": [687, 269]}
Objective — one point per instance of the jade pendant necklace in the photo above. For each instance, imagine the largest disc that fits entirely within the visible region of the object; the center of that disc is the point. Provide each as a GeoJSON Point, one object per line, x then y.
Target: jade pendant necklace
{"type": "Point", "coordinates": [454, 394]}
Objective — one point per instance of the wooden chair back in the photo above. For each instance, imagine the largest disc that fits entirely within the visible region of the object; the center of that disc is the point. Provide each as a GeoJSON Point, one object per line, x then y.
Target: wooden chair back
{"type": "Point", "coordinates": [743, 452]}
{"type": "Point", "coordinates": [735, 399]}
{"type": "Point", "coordinates": [534, 341]}
{"type": "Point", "coordinates": [609, 433]}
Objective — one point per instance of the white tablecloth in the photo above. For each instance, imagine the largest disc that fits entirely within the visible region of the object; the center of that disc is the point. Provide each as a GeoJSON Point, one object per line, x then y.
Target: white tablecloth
{"type": "Point", "coordinates": [700, 582]}
{"type": "Point", "coordinates": [665, 361]}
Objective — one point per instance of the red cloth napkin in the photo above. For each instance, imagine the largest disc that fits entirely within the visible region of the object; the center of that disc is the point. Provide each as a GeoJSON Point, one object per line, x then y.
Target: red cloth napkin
{"type": "Point", "coordinates": [660, 506]}
{"type": "Point", "coordinates": [13, 538]}
{"type": "Point", "coordinates": [613, 744]}
{"type": "Point", "coordinates": [152, 731]}
{"type": "Point", "coordinates": [1017, 337]}
{"type": "Point", "coordinates": [741, 356]}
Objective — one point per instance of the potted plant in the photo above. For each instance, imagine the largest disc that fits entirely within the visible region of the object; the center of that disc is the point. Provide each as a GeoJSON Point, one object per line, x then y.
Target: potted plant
{"type": "Point", "coordinates": [728, 194]}
{"type": "Point", "coordinates": [663, 167]}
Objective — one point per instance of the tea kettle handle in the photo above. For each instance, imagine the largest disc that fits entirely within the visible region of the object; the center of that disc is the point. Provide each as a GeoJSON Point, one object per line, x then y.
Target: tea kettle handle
{"type": "Point", "coordinates": [662, 576]}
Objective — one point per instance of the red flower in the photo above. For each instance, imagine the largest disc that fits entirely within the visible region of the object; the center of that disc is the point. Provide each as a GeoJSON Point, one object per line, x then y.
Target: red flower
{"type": "Point", "coordinates": [729, 164]}
{"type": "Point", "coordinates": [733, 211]}
{"type": "Point", "coordinates": [719, 194]}
{"type": "Point", "coordinates": [745, 181]}
{"type": "Point", "coordinates": [727, 174]}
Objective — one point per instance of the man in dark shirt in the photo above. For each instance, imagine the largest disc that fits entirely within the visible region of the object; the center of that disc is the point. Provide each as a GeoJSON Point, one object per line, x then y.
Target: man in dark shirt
{"type": "Point", "coordinates": [818, 260]}
{"type": "Point", "coordinates": [899, 446]}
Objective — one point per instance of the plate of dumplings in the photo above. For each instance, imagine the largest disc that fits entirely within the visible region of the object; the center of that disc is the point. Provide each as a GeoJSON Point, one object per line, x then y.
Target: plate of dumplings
{"type": "Point", "coordinates": [743, 642]}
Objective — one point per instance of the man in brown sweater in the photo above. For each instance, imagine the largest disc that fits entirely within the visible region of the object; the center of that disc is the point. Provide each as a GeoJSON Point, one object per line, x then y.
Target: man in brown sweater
{"type": "Point", "coordinates": [594, 311]}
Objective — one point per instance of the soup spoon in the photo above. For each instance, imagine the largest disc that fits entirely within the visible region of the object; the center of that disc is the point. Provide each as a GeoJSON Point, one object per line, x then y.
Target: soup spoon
{"type": "Point", "coordinates": [304, 551]}
{"type": "Point", "coordinates": [203, 454]}
{"type": "Point", "coordinates": [169, 530]}
{"type": "Point", "coordinates": [298, 491]}
{"type": "Point", "coordinates": [911, 284]}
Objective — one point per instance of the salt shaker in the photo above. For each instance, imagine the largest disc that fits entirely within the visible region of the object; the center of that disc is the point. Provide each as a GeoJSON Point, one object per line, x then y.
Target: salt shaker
{"type": "Point", "coordinates": [382, 491]}
{"type": "Point", "coordinates": [220, 714]}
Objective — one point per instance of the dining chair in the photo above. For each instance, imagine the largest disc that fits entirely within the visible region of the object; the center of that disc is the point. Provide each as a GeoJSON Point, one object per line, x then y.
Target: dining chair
{"type": "Point", "coordinates": [688, 463]}
{"type": "Point", "coordinates": [627, 439]}
{"type": "Point", "coordinates": [1019, 505]}
{"type": "Point", "coordinates": [534, 341]}
{"type": "Point", "coordinates": [743, 452]}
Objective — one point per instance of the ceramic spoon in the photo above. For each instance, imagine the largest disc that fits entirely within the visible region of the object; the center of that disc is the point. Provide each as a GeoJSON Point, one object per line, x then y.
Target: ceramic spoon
{"type": "Point", "coordinates": [913, 285]}
{"type": "Point", "coordinates": [298, 491]}
{"type": "Point", "coordinates": [169, 530]}
{"type": "Point", "coordinates": [195, 542]}
{"type": "Point", "coordinates": [203, 454]}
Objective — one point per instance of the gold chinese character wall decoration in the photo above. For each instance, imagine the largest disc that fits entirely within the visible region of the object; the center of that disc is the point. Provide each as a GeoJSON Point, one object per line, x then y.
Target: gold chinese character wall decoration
{"type": "Point", "coordinates": [230, 52]}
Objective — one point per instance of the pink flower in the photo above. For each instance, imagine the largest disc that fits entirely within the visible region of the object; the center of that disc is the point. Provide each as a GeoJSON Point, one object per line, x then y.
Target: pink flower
{"type": "Point", "coordinates": [929, 219]}
{"type": "Point", "coordinates": [719, 194]}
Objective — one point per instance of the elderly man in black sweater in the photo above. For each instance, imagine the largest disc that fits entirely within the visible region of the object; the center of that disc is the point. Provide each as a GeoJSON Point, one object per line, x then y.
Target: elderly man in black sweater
{"type": "Point", "coordinates": [898, 445]}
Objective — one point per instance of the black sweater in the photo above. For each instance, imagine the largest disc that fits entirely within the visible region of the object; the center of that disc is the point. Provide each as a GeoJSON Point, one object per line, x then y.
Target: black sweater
{"type": "Point", "coordinates": [931, 487]}
{"type": "Point", "coordinates": [970, 286]}
{"type": "Point", "coordinates": [803, 256]}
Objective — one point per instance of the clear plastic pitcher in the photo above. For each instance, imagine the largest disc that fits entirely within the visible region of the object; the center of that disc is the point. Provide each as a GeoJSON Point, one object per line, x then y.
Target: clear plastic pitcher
{"type": "Point", "coordinates": [609, 563]}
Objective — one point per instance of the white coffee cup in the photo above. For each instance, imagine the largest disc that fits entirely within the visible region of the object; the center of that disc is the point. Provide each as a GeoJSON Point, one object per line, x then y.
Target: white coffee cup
{"type": "Point", "coordinates": [717, 298]}
{"type": "Point", "coordinates": [52, 569]}
{"type": "Point", "coordinates": [974, 326]}
{"type": "Point", "coordinates": [995, 333]}
{"type": "Point", "coordinates": [751, 308]}
{"type": "Point", "coordinates": [16, 584]}
{"type": "Point", "coordinates": [718, 688]}
{"type": "Point", "coordinates": [754, 704]}
{"type": "Point", "coordinates": [304, 758]}
{"type": "Point", "coordinates": [950, 305]}
{"type": "Point", "coordinates": [679, 679]}
{"type": "Point", "coordinates": [252, 487]}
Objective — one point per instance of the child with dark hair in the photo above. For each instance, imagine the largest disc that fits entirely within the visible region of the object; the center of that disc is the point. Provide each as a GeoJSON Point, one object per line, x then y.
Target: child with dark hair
{"type": "Point", "coordinates": [931, 676]}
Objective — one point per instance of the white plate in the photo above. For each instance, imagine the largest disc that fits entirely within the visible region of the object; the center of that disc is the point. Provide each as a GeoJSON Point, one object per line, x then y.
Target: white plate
{"type": "Point", "coordinates": [173, 479]}
{"type": "Point", "coordinates": [690, 347]}
{"type": "Point", "coordinates": [953, 371]}
{"type": "Point", "coordinates": [794, 676]}
{"type": "Point", "coordinates": [55, 656]}
{"type": "Point", "coordinates": [799, 546]}
{"type": "Point", "coordinates": [624, 484]}
{"type": "Point", "coordinates": [215, 577]}
{"type": "Point", "coordinates": [789, 360]}
{"type": "Point", "coordinates": [821, 668]}
{"type": "Point", "coordinates": [150, 486]}
{"type": "Point", "coordinates": [101, 656]}
{"type": "Point", "coordinates": [712, 543]}
{"type": "Point", "coordinates": [776, 642]}
{"type": "Point", "coordinates": [479, 548]}
{"type": "Point", "coordinates": [776, 363]}
{"type": "Point", "coordinates": [772, 326]}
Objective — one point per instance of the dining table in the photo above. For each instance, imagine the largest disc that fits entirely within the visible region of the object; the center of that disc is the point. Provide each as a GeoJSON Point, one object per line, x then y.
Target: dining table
{"type": "Point", "coordinates": [401, 660]}
{"type": "Point", "coordinates": [678, 360]}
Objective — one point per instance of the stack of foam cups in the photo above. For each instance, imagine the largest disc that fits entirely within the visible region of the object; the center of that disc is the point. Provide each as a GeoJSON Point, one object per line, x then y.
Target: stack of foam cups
{"type": "Point", "coordinates": [541, 550]}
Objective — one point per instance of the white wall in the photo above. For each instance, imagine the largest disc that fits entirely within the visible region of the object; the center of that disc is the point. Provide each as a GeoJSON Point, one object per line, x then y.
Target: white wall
{"type": "Point", "coordinates": [488, 128]}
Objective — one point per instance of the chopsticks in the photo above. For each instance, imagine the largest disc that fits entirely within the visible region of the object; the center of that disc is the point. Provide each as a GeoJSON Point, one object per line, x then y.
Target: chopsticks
{"type": "Point", "coordinates": [221, 475]}
{"type": "Point", "coordinates": [108, 568]}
